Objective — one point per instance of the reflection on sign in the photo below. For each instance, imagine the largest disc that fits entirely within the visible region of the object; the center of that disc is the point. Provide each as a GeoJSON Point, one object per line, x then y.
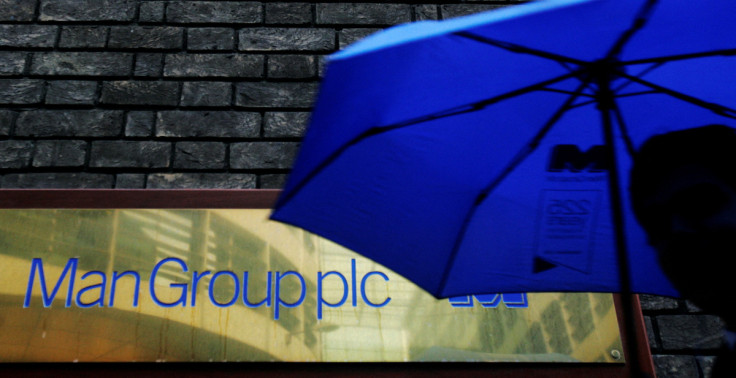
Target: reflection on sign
{"type": "Point", "coordinates": [229, 285]}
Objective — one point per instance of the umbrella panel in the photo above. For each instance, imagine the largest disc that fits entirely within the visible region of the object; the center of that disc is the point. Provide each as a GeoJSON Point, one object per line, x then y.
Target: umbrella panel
{"type": "Point", "coordinates": [442, 164]}
{"type": "Point", "coordinates": [538, 229]}
{"type": "Point", "coordinates": [433, 134]}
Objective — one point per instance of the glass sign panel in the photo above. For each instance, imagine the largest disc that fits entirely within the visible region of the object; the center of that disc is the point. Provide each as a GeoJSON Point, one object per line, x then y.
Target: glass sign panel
{"type": "Point", "coordinates": [230, 285]}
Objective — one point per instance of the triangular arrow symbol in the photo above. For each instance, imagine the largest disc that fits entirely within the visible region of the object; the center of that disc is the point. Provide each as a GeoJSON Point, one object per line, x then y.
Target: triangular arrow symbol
{"type": "Point", "coordinates": [541, 265]}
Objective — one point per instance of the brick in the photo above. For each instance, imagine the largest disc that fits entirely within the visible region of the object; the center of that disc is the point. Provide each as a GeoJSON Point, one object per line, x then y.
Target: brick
{"type": "Point", "coordinates": [201, 181]}
{"type": "Point", "coordinates": [27, 35]}
{"type": "Point", "coordinates": [17, 10]}
{"type": "Point", "coordinates": [20, 91]}
{"type": "Point", "coordinates": [79, 123]}
{"type": "Point", "coordinates": [281, 39]}
{"type": "Point", "coordinates": [139, 123]}
{"type": "Point", "coordinates": [273, 181]}
{"type": "Point", "coordinates": [288, 13]}
{"type": "Point", "coordinates": [655, 302]}
{"type": "Point", "coordinates": [149, 64]}
{"type": "Point", "coordinates": [426, 12]}
{"type": "Point", "coordinates": [57, 181]}
{"type": "Point", "coordinates": [140, 93]}
{"type": "Point", "coordinates": [692, 307]}
{"type": "Point", "coordinates": [214, 12]}
{"type": "Point", "coordinates": [83, 36]}
{"type": "Point", "coordinates": [349, 36]}
{"type": "Point", "coordinates": [675, 366]}
{"type": "Point", "coordinates": [60, 153]}
{"type": "Point", "coordinates": [7, 117]}
{"type": "Point", "coordinates": [706, 364]}
{"type": "Point", "coordinates": [263, 155]}
{"type": "Point", "coordinates": [297, 95]}
{"type": "Point", "coordinates": [199, 155]}
{"type": "Point", "coordinates": [130, 181]}
{"type": "Point", "coordinates": [291, 66]}
{"type": "Point", "coordinates": [149, 93]}
{"type": "Point", "coordinates": [82, 63]}
{"type": "Point", "coordinates": [15, 153]}
{"type": "Point", "coordinates": [214, 65]}
{"type": "Point", "coordinates": [458, 10]}
{"type": "Point", "coordinates": [12, 62]}
{"type": "Point", "coordinates": [688, 332]}
{"type": "Point", "coordinates": [651, 336]}
{"type": "Point", "coordinates": [87, 10]}
{"type": "Point", "coordinates": [130, 154]}
{"type": "Point", "coordinates": [210, 39]}
{"type": "Point", "coordinates": [285, 124]}
{"type": "Point", "coordinates": [71, 92]}
{"type": "Point", "coordinates": [151, 11]}
{"type": "Point", "coordinates": [200, 93]}
{"type": "Point", "coordinates": [216, 124]}
{"type": "Point", "coordinates": [146, 37]}
{"type": "Point", "coordinates": [321, 65]}
{"type": "Point", "coordinates": [363, 13]}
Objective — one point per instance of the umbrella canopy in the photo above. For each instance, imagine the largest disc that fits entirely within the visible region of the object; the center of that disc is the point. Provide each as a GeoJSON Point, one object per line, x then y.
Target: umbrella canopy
{"type": "Point", "coordinates": [491, 153]}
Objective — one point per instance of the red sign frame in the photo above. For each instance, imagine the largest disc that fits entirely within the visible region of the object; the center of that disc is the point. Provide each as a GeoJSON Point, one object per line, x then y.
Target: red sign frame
{"type": "Point", "coordinates": [264, 199]}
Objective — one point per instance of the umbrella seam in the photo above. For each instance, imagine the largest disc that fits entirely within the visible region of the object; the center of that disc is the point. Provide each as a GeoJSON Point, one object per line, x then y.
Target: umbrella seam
{"type": "Point", "coordinates": [715, 108]}
{"type": "Point", "coordinates": [512, 47]}
{"type": "Point", "coordinates": [375, 130]}
{"type": "Point", "coordinates": [530, 147]}
{"type": "Point", "coordinates": [671, 58]}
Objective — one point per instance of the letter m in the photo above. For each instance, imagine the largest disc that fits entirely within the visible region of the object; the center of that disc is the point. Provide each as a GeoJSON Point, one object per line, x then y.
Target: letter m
{"type": "Point", "coordinates": [569, 157]}
{"type": "Point", "coordinates": [37, 266]}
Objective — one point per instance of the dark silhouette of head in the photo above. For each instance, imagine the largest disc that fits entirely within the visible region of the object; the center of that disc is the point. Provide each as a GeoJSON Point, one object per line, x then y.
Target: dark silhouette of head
{"type": "Point", "coordinates": [683, 191]}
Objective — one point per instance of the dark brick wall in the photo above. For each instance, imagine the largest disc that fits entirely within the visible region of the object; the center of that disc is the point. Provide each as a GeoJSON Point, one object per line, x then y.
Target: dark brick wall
{"type": "Point", "coordinates": [683, 339]}
{"type": "Point", "coordinates": [170, 94]}
{"type": "Point", "coordinates": [206, 94]}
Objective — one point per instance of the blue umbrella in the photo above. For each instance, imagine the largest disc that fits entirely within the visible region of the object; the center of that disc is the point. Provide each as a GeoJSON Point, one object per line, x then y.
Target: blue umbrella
{"type": "Point", "coordinates": [491, 153]}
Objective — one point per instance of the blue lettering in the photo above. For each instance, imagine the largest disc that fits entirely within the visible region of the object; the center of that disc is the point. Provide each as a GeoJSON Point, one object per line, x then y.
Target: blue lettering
{"type": "Point", "coordinates": [365, 297]}
{"type": "Point", "coordinates": [321, 301]}
{"type": "Point", "coordinates": [514, 300]}
{"type": "Point", "coordinates": [212, 289]}
{"type": "Point", "coordinates": [116, 276]}
{"type": "Point", "coordinates": [266, 300]}
{"type": "Point", "coordinates": [354, 280]}
{"type": "Point", "coordinates": [517, 300]}
{"type": "Point", "coordinates": [101, 286]}
{"type": "Point", "coordinates": [462, 301]}
{"type": "Point", "coordinates": [195, 280]}
{"type": "Point", "coordinates": [37, 265]}
{"type": "Point", "coordinates": [183, 298]}
{"type": "Point", "coordinates": [277, 289]}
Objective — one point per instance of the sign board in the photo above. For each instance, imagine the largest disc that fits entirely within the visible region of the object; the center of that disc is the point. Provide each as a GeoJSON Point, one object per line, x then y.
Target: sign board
{"type": "Point", "coordinates": [196, 281]}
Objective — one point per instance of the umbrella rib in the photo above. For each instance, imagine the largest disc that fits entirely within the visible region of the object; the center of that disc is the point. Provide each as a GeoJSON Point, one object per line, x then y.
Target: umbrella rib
{"type": "Point", "coordinates": [376, 130]}
{"type": "Point", "coordinates": [671, 58]}
{"type": "Point", "coordinates": [715, 108]}
{"type": "Point", "coordinates": [520, 49]}
{"type": "Point", "coordinates": [565, 66]}
{"type": "Point", "coordinates": [640, 75]}
{"type": "Point", "coordinates": [639, 21]}
{"type": "Point", "coordinates": [618, 96]}
{"type": "Point", "coordinates": [583, 104]}
{"type": "Point", "coordinates": [530, 147]}
{"type": "Point", "coordinates": [567, 92]}
{"type": "Point", "coordinates": [622, 127]}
